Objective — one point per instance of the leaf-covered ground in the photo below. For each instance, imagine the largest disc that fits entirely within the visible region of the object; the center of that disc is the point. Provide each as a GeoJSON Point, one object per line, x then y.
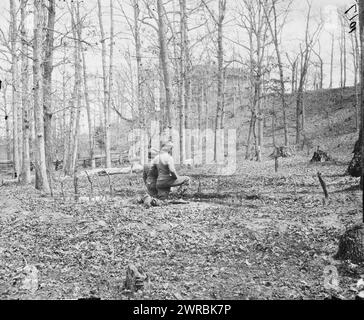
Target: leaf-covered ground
{"type": "Point", "coordinates": [266, 236]}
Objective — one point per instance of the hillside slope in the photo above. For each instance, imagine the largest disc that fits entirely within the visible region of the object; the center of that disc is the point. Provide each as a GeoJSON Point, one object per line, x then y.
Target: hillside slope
{"type": "Point", "coordinates": [330, 122]}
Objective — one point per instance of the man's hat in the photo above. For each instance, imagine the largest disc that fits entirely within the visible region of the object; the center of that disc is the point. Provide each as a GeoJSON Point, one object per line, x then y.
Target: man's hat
{"type": "Point", "coordinates": [167, 146]}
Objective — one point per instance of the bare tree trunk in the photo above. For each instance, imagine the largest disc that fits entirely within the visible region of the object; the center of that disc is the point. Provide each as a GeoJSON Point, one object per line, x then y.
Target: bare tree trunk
{"type": "Point", "coordinates": [274, 32]}
{"type": "Point", "coordinates": [361, 20]}
{"type": "Point", "coordinates": [41, 165]}
{"type": "Point", "coordinates": [294, 71]}
{"type": "Point", "coordinates": [341, 58]}
{"type": "Point", "coordinates": [138, 48]}
{"type": "Point", "coordinates": [7, 126]}
{"type": "Point", "coordinates": [111, 61]}
{"type": "Point", "coordinates": [162, 97]}
{"type": "Point", "coordinates": [220, 71]}
{"type": "Point", "coordinates": [188, 90]}
{"type": "Point", "coordinates": [357, 71]}
{"type": "Point", "coordinates": [47, 86]}
{"type": "Point", "coordinates": [321, 73]}
{"type": "Point", "coordinates": [25, 175]}
{"type": "Point", "coordinates": [19, 109]}
{"type": "Point", "coordinates": [332, 60]}
{"type": "Point", "coordinates": [15, 88]}
{"type": "Point", "coordinates": [182, 80]}
{"type": "Point", "coordinates": [258, 137]}
{"type": "Point", "coordinates": [298, 116]}
{"type": "Point", "coordinates": [321, 66]}
{"type": "Point", "coordinates": [70, 143]}
{"type": "Point", "coordinates": [293, 65]}
{"type": "Point", "coordinates": [273, 127]}
{"type": "Point", "coordinates": [248, 144]}
{"type": "Point", "coordinates": [105, 84]}
{"type": "Point", "coordinates": [351, 243]}
{"type": "Point", "coordinates": [296, 76]}
{"type": "Point", "coordinates": [256, 141]}
{"type": "Point", "coordinates": [199, 107]}
{"type": "Point", "coordinates": [305, 58]}
{"type": "Point", "coordinates": [67, 122]}
{"type": "Point", "coordinates": [88, 109]}
{"type": "Point", "coordinates": [163, 53]}
{"type": "Point", "coordinates": [77, 35]}
{"type": "Point", "coordinates": [303, 113]}
{"type": "Point", "coordinates": [254, 21]}
{"type": "Point", "coordinates": [344, 53]}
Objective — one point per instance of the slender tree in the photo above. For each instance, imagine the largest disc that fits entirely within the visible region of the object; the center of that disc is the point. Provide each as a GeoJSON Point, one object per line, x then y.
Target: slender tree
{"type": "Point", "coordinates": [163, 54]}
{"type": "Point", "coordinates": [356, 67]}
{"type": "Point", "coordinates": [105, 78]}
{"type": "Point", "coordinates": [293, 64]}
{"type": "Point", "coordinates": [305, 54]}
{"type": "Point", "coordinates": [111, 70]}
{"type": "Point", "coordinates": [47, 65]}
{"type": "Point", "coordinates": [220, 66]}
{"type": "Point", "coordinates": [253, 20]}
{"type": "Point", "coordinates": [274, 30]}
{"type": "Point", "coordinates": [219, 23]}
{"type": "Point", "coordinates": [182, 95]}
{"type": "Point", "coordinates": [320, 64]}
{"type": "Point", "coordinates": [88, 109]}
{"type": "Point", "coordinates": [77, 35]}
{"type": "Point", "coordinates": [40, 159]}
{"type": "Point", "coordinates": [15, 87]}
{"type": "Point", "coordinates": [332, 59]}
{"type": "Point", "coordinates": [361, 138]}
{"type": "Point", "coordinates": [7, 119]}
{"type": "Point", "coordinates": [25, 175]}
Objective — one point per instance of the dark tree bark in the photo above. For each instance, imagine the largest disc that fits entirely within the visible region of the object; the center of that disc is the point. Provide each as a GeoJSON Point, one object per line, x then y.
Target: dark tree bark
{"type": "Point", "coordinates": [354, 168]}
{"type": "Point", "coordinates": [47, 85]}
{"type": "Point", "coordinates": [361, 133]}
{"type": "Point", "coordinates": [25, 174]}
{"type": "Point", "coordinates": [351, 244]}
{"type": "Point", "coordinates": [15, 88]}
{"type": "Point", "coordinates": [41, 181]}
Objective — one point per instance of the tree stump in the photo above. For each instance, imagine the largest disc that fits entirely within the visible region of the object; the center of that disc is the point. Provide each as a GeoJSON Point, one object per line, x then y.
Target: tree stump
{"type": "Point", "coordinates": [320, 156]}
{"type": "Point", "coordinates": [136, 279]}
{"type": "Point", "coordinates": [351, 245]}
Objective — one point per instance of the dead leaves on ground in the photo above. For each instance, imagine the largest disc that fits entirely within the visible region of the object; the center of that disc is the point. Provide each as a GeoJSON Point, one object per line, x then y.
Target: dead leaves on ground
{"type": "Point", "coordinates": [273, 243]}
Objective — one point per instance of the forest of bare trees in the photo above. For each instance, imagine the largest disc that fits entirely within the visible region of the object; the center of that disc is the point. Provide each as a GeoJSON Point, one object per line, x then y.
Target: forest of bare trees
{"type": "Point", "coordinates": [77, 77]}
{"type": "Point", "coordinates": [181, 149]}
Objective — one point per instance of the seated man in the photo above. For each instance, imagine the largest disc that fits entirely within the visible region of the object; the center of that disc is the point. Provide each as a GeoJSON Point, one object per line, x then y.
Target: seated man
{"type": "Point", "coordinates": [150, 174]}
{"type": "Point", "coordinates": [167, 175]}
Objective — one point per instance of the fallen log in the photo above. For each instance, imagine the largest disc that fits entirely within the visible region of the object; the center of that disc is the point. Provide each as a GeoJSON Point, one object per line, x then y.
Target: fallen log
{"type": "Point", "coordinates": [105, 172]}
